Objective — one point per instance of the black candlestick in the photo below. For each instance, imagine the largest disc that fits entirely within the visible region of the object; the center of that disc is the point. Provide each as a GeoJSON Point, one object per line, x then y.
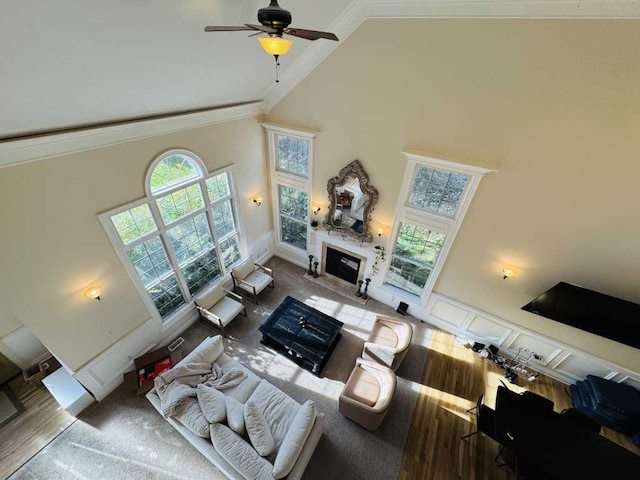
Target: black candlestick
{"type": "Point", "coordinates": [310, 272]}
{"type": "Point", "coordinates": [366, 287]}
{"type": "Point", "coordinates": [359, 293]}
{"type": "Point", "coordinates": [315, 272]}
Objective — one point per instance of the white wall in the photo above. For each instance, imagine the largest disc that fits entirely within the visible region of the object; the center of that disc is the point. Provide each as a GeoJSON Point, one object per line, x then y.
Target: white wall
{"type": "Point", "coordinates": [553, 104]}
{"type": "Point", "coordinates": [54, 246]}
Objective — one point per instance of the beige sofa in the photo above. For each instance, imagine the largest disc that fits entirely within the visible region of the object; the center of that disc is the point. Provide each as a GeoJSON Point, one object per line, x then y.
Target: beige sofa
{"type": "Point", "coordinates": [294, 430]}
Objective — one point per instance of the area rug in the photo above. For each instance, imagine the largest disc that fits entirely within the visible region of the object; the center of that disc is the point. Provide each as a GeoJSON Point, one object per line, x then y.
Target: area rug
{"type": "Point", "coordinates": [10, 406]}
{"type": "Point", "coordinates": [124, 437]}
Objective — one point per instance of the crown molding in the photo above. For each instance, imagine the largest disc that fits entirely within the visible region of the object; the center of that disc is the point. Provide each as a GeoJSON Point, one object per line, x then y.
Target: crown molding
{"type": "Point", "coordinates": [360, 10]}
{"type": "Point", "coordinates": [33, 149]}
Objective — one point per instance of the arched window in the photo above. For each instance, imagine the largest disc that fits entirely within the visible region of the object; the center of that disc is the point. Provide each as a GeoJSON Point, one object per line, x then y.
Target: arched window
{"type": "Point", "coordinates": [183, 236]}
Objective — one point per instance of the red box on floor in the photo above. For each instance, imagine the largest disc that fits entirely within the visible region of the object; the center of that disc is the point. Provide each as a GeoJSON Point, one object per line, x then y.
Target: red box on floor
{"type": "Point", "coordinates": [148, 367]}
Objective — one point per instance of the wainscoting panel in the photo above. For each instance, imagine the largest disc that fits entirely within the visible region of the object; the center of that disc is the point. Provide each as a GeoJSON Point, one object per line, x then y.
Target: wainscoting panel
{"type": "Point", "coordinates": [559, 361]}
{"type": "Point", "coordinates": [448, 313]}
{"type": "Point", "coordinates": [104, 373]}
{"type": "Point", "coordinates": [579, 366]}
{"type": "Point", "coordinates": [493, 332]}
{"type": "Point", "coordinates": [524, 345]}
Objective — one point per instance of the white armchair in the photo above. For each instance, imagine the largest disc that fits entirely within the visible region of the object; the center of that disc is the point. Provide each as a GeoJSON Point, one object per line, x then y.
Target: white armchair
{"type": "Point", "coordinates": [219, 306]}
{"type": "Point", "coordinates": [388, 342]}
{"type": "Point", "coordinates": [368, 393]}
{"type": "Point", "coordinates": [252, 277]}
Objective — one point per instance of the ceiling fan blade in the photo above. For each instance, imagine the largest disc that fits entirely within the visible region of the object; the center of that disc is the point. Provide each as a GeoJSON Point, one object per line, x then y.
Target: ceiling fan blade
{"type": "Point", "coordinates": [262, 28]}
{"type": "Point", "coordinates": [227, 29]}
{"type": "Point", "coordinates": [310, 34]}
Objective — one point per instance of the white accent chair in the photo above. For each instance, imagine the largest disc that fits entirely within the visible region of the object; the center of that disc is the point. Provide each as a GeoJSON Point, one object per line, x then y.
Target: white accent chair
{"type": "Point", "coordinates": [388, 342]}
{"type": "Point", "coordinates": [367, 395]}
{"type": "Point", "coordinates": [219, 306]}
{"type": "Point", "coordinates": [252, 277]}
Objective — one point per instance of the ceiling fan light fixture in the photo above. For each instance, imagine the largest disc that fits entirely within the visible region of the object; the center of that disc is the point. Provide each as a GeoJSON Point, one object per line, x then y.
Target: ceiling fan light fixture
{"type": "Point", "coordinates": [275, 45]}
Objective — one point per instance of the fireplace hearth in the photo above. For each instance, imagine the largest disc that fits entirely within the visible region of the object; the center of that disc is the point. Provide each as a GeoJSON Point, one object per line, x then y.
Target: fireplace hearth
{"type": "Point", "coordinates": [342, 265]}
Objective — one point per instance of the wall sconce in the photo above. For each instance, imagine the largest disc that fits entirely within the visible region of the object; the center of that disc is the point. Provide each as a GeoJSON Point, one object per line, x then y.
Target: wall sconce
{"type": "Point", "coordinates": [508, 272]}
{"type": "Point", "coordinates": [315, 209]}
{"type": "Point", "coordinates": [380, 232]}
{"type": "Point", "coordinates": [92, 292]}
{"type": "Point", "coordinates": [258, 200]}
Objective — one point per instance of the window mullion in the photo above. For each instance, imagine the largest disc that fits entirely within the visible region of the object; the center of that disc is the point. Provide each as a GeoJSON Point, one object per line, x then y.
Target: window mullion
{"type": "Point", "coordinates": [212, 228]}
{"type": "Point", "coordinates": [164, 238]}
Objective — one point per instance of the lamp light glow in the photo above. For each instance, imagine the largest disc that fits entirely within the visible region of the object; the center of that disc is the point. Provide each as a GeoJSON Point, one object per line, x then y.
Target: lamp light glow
{"type": "Point", "coordinates": [275, 45]}
{"type": "Point", "coordinates": [258, 201]}
{"type": "Point", "coordinates": [92, 292]}
{"type": "Point", "coordinates": [508, 272]}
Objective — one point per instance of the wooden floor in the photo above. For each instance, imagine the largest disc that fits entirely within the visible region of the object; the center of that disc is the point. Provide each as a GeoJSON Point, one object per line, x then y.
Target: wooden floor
{"type": "Point", "coordinates": [453, 380]}
{"type": "Point", "coordinates": [27, 434]}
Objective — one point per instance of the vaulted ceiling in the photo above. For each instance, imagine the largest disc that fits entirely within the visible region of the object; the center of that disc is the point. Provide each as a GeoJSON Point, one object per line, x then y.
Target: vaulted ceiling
{"type": "Point", "coordinates": [86, 62]}
{"type": "Point", "coordinates": [80, 62]}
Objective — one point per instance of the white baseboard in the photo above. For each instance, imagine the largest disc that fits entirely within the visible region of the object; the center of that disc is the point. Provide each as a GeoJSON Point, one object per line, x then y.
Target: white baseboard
{"type": "Point", "coordinates": [560, 361]}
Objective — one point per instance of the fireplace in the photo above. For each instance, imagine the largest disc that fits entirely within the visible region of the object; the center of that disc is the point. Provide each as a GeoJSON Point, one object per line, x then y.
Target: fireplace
{"type": "Point", "coordinates": [342, 265]}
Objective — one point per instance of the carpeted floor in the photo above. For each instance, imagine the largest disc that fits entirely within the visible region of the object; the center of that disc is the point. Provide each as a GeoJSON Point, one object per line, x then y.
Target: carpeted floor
{"type": "Point", "coordinates": [124, 437]}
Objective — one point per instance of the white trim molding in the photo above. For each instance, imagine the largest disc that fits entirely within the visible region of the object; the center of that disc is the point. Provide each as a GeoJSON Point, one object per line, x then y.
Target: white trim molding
{"type": "Point", "coordinates": [558, 360]}
{"type": "Point", "coordinates": [360, 10]}
{"type": "Point", "coordinates": [14, 152]}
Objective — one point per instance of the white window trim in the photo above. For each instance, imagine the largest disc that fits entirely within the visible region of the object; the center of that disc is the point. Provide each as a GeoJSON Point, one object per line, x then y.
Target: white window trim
{"type": "Point", "coordinates": [277, 178]}
{"type": "Point", "coordinates": [445, 224]}
{"type": "Point", "coordinates": [161, 231]}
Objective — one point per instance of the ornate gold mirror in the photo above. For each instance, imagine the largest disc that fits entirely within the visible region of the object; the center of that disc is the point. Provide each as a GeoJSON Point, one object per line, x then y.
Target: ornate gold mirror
{"type": "Point", "coordinates": [351, 201]}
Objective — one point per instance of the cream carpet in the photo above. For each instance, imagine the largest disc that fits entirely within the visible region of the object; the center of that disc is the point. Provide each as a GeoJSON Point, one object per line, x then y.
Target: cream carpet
{"type": "Point", "coordinates": [124, 437]}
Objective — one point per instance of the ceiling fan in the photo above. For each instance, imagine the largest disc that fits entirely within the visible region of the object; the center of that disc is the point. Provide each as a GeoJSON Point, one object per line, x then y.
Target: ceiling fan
{"type": "Point", "coordinates": [274, 21]}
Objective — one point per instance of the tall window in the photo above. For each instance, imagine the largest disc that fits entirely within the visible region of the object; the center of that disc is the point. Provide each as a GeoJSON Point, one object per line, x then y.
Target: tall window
{"type": "Point", "coordinates": [435, 199]}
{"type": "Point", "coordinates": [290, 154]}
{"type": "Point", "coordinates": [182, 236]}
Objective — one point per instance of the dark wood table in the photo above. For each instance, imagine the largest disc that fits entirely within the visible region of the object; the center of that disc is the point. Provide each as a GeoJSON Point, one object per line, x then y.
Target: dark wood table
{"type": "Point", "coordinates": [301, 332]}
{"type": "Point", "coordinates": [557, 445]}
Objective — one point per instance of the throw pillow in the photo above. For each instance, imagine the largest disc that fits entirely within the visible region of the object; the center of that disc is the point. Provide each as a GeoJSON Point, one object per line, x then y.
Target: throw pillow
{"type": "Point", "coordinates": [294, 440]}
{"type": "Point", "coordinates": [239, 453]}
{"type": "Point", "coordinates": [207, 352]}
{"type": "Point", "coordinates": [235, 415]}
{"type": "Point", "coordinates": [258, 429]}
{"type": "Point", "coordinates": [190, 415]}
{"type": "Point", "coordinates": [213, 403]}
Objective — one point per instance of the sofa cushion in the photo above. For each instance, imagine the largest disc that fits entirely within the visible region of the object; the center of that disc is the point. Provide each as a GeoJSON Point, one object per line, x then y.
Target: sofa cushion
{"type": "Point", "coordinates": [213, 403]}
{"type": "Point", "coordinates": [210, 296]}
{"type": "Point", "coordinates": [295, 439]}
{"type": "Point", "coordinates": [278, 409]}
{"type": "Point", "coordinates": [240, 454]}
{"type": "Point", "coordinates": [207, 352]}
{"type": "Point", "coordinates": [258, 429]}
{"type": "Point", "coordinates": [190, 415]}
{"type": "Point", "coordinates": [235, 415]}
{"type": "Point", "coordinates": [244, 269]}
{"type": "Point", "coordinates": [243, 391]}
{"type": "Point", "coordinates": [362, 387]}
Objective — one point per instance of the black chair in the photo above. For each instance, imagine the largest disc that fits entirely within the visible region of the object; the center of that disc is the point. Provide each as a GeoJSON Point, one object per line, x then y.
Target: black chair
{"type": "Point", "coordinates": [527, 470]}
{"type": "Point", "coordinates": [579, 418]}
{"type": "Point", "coordinates": [486, 419]}
{"type": "Point", "coordinates": [536, 403]}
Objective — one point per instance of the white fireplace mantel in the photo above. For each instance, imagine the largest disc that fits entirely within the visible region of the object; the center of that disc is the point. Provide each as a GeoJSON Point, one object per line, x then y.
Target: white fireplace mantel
{"type": "Point", "coordinates": [365, 251]}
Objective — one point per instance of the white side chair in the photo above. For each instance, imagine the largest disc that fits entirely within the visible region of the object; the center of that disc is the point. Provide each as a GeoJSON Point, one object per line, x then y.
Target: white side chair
{"type": "Point", "coordinates": [252, 277]}
{"type": "Point", "coordinates": [388, 342]}
{"type": "Point", "coordinates": [219, 306]}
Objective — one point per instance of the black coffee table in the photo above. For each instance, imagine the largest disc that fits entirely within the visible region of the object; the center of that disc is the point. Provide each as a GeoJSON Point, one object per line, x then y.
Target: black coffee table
{"type": "Point", "coordinates": [303, 333]}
